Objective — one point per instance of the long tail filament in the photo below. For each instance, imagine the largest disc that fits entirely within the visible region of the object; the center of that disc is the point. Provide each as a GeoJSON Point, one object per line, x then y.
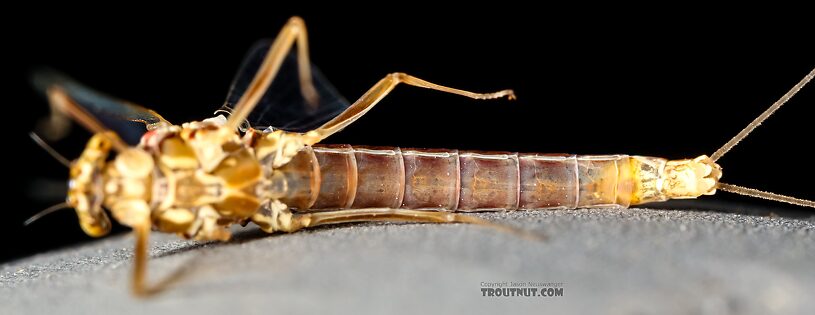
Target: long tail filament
{"type": "Point", "coordinates": [745, 132]}
{"type": "Point", "coordinates": [765, 195]}
{"type": "Point", "coordinates": [761, 118]}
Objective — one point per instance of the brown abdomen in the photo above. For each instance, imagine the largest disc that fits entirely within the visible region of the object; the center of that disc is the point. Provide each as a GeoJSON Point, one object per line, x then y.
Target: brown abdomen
{"type": "Point", "coordinates": [366, 177]}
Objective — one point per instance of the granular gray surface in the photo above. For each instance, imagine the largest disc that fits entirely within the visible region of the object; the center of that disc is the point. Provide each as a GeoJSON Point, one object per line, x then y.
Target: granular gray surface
{"type": "Point", "coordinates": [609, 261]}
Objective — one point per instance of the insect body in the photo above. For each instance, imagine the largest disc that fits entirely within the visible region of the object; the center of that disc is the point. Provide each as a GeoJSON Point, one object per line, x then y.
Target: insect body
{"type": "Point", "coordinates": [198, 178]}
{"type": "Point", "coordinates": [350, 177]}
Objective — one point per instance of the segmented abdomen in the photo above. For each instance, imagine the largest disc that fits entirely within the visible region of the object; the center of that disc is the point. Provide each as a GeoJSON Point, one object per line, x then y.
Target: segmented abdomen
{"type": "Point", "coordinates": [364, 177]}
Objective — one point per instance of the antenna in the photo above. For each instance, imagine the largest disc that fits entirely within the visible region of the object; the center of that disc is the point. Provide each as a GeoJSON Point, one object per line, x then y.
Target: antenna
{"type": "Point", "coordinates": [46, 212]}
{"type": "Point", "coordinates": [59, 157]}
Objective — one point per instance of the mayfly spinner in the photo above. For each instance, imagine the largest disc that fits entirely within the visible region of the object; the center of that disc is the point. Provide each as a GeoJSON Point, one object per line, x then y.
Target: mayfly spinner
{"type": "Point", "coordinates": [198, 178]}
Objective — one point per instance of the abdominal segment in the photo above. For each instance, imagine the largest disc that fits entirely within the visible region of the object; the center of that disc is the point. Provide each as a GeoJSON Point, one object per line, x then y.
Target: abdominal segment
{"type": "Point", "coordinates": [351, 177]}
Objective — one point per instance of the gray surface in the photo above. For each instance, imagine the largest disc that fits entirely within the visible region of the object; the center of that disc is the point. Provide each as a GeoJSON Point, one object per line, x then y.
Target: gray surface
{"type": "Point", "coordinates": [611, 261]}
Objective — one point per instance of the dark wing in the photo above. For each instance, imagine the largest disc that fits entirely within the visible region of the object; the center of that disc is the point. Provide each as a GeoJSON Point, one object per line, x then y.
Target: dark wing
{"type": "Point", "coordinates": [283, 106]}
{"type": "Point", "coordinates": [130, 121]}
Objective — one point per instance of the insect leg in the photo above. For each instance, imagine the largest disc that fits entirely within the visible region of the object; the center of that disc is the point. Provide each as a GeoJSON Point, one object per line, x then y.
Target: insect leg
{"type": "Point", "coordinates": [294, 30]}
{"type": "Point", "coordinates": [140, 260]}
{"type": "Point", "coordinates": [381, 89]}
{"type": "Point", "coordinates": [57, 124]}
{"type": "Point", "coordinates": [399, 215]}
{"type": "Point", "coordinates": [64, 103]}
{"type": "Point", "coordinates": [139, 284]}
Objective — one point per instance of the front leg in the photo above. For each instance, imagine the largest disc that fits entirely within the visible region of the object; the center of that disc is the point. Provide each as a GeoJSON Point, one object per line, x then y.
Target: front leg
{"type": "Point", "coordinates": [136, 214]}
{"type": "Point", "coordinates": [142, 232]}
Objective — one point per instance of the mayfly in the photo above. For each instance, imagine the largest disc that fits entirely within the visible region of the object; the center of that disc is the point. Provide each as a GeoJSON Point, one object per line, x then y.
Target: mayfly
{"type": "Point", "coordinates": [258, 161]}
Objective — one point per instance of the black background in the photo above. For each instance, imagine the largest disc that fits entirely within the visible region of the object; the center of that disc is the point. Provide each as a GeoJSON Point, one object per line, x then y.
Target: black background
{"type": "Point", "coordinates": [586, 84]}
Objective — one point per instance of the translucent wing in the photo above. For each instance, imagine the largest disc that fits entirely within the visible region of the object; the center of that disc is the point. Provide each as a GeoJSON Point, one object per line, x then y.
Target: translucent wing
{"type": "Point", "coordinates": [130, 121]}
{"type": "Point", "coordinates": [283, 106]}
